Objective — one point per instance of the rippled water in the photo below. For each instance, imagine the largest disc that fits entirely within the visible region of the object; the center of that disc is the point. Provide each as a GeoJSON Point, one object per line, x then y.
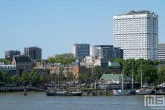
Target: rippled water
{"type": "Point", "coordinates": [39, 101]}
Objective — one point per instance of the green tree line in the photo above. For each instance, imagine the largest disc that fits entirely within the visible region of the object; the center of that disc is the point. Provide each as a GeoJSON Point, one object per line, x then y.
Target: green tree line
{"type": "Point", "coordinates": [147, 67]}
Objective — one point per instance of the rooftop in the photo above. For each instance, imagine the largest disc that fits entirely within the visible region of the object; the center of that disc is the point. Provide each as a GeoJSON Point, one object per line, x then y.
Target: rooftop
{"type": "Point", "coordinates": [113, 64]}
{"type": "Point", "coordinates": [7, 66]}
{"type": "Point", "coordinates": [138, 12]}
{"type": "Point", "coordinates": [33, 47]}
{"type": "Point", "coordinates": [113, 77]}
{"type": "Point", "coordinates": [22, 58]}
{"type": "Point", "coordinates": [103, 46]}
{"type": "Point", "coordinates": [13, 51]}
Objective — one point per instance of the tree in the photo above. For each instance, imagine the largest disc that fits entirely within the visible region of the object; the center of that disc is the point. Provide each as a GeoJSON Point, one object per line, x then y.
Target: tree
{"type": "Point", "coordinates": [51, 60]}
{"type": "Point", "coordinates": [0, 75]}
{"type": "Point", "coordinates": [128, 67]}
{"type": "Point", "coordinates": [70, 76]}
{"type": "Point", "coordinates": [96, 74]}
{"type": "Point", "coordinates": [15, 79]}
{"type": "Point", "coordinates": [5, 61]}
{"type": "Point", "coordinates": [52, 77]}
{"type": "Point", "coordinates": [161, 75]}
{"type": "Point", "coordinates": [149, 73]}
{"type": "Point", "coordinates": [85, 76]}
{"type": "Point", "coordinates": [106, 71]}
{"type": "Point", "coordinates": [32, 76]}
{"type": "Point", "coordinates": [81, 78]}
{"type": "Point", "coordinates": [66, 58]}
{"type": "Point", "coordinates": [119, 60]}
{"type": "Point", "coordinates": [24, 77]}
{"type": "Point", "coordinates": [5, 76]}
{"type": "Point", "coordinates": [61, 75]}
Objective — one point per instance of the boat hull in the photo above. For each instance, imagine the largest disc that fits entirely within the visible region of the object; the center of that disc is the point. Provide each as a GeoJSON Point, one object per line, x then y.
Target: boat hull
{"type": "Point", "coordinates": [144, 92]}
{"type": "Point", "coordinates": [62, 94]}
{"type": "Point", "coordinates": [122, 92]}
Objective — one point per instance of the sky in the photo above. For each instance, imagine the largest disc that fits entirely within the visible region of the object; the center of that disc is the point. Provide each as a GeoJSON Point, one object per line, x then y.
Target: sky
{"type": "Point", "coordinates": [54, 25]}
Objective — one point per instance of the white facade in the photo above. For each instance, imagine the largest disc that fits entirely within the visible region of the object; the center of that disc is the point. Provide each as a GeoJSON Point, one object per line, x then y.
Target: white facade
{"type": "Point", "coordinates": [161, 52]}
{"type": "Point", "coordinates": [99, 52]}
{"type": "Point", "coordinates": [91, 61]}
{"type": "Point", "coordinates": [137, 34]}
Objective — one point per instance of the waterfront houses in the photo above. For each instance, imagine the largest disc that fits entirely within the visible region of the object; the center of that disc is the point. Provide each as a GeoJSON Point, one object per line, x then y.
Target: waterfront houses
{"type": "Point", "coordinates": [10, 69]}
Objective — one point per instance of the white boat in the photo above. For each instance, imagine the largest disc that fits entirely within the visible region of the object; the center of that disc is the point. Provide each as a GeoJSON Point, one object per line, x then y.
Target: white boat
{"type": "Point", "coordinates": [123, 92]}
{"type": "Point", "coordinates": [143, 91]}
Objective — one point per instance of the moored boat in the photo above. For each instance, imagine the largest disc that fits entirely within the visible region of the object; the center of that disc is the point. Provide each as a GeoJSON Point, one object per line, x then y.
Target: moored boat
{"type": "Point", "coordinates": [122, 92]}
{"type": "Point", "coordinates": [144, 92]}
{"type": "Point", "coordinates": [63, 93]}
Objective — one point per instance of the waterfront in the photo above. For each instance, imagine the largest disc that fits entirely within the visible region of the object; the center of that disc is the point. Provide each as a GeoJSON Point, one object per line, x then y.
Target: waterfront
{"type": "Point", "coordinates": [39, 101]}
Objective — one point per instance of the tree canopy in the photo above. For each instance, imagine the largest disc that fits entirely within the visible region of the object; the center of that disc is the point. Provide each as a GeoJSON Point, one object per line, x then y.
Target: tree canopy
{"type": "Point", "coordinates": [5, 61]}
{"type": "Point", "coordinates": [161, 75]}
{"type": "Point", "coordinates": [66, 58]}
{"type": "Point", "coordinates": [147, 67]}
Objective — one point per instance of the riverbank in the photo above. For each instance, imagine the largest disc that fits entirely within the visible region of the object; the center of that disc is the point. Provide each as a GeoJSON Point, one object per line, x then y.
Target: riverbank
{"type": "Point", "coordinates": [86, 91]}
{"type": "Point", "coordinates": [19, 89]}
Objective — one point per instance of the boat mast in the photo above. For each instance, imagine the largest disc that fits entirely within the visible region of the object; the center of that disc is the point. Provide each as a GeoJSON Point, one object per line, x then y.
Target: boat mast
{"type": "Point", "coordinates": [59, 77]}
{"type": "Point", "coordinates": [122, 81]}
{"type": "Point", "coordinates": [132, 75]}
{"type": "Point", "coordinates": [141, 77]}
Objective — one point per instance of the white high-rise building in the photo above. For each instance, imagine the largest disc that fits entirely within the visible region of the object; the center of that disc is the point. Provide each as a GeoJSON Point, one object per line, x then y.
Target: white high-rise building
{"type": "Point", "coordinates": [136, 32]}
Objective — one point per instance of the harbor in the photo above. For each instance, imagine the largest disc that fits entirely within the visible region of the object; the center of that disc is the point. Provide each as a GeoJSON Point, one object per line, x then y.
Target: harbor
{"type": "Point", "coordinates": [85, 91]}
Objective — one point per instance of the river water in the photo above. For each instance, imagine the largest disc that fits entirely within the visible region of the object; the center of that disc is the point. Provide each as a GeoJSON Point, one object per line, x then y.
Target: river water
{"type": "Point", "coordinates": [39, 101]}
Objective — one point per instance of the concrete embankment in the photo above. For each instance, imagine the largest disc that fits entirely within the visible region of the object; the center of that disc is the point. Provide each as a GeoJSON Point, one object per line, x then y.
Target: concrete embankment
{"type": "Point", "coordinates": [19, 89]}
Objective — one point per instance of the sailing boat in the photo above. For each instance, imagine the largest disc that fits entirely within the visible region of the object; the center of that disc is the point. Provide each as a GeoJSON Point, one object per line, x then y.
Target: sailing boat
{"type": "Point", "coordinates": [143, 91]}
{"type": "Point", "coordinates": [62, 93]}
{"type": "Point", "coordinates": [133, 91]}
{"type": "Point", "coordinates": [122, 92]}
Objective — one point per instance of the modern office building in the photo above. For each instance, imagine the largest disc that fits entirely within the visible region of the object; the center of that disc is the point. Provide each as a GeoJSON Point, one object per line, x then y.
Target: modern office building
{"type": "Point", "coordinates": [136, 32]}
{"type": "Point", "coordinates": [106, 51]}
{"type": "Point", "coordinates": [117, 52]}
{"type": "Point", "coordinates": [80, 51]}
{"type": "Point", "coordinates": [9, 54]}
{"type": "Point", "coordinates": [161, 52]}
{"type": "Point", "coordinates": [34, 52]}
{"type": "Point", "coordinates": [102, 51]}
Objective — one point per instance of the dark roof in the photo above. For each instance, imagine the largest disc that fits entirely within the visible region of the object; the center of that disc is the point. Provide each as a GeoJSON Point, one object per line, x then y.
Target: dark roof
{"type": "Point", "coordinates": [104, 46]}
{"type": "Point", "coordinates": [137, 12]}
{"type": "Point", "coordinates": [22, 58]}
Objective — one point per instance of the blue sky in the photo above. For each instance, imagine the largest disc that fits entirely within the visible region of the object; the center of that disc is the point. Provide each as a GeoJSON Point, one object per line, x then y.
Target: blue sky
{"type": "Point", "coordinates": [54, 25]}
